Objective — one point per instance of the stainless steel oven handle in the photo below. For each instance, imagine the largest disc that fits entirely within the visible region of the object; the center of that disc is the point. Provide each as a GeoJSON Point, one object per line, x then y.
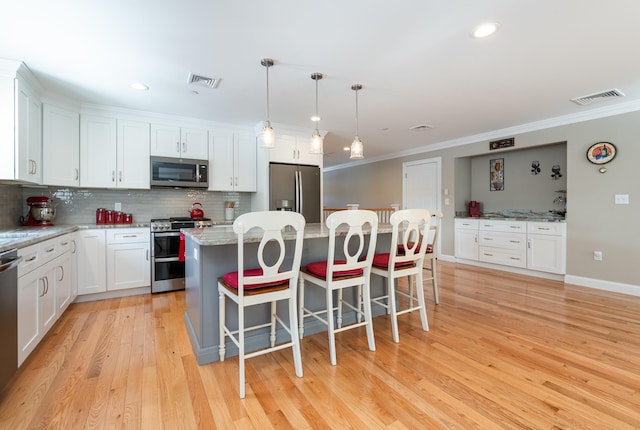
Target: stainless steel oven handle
{"type": "Point", "coordinates": [166, 234]}
{"type": "Point", "coordinates": [10, 264]}
{"type": "Point", "coordinates": [165, 260]}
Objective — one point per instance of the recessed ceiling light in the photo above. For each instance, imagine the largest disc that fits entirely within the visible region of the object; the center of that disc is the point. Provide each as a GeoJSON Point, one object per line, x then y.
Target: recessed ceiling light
{"type": "Point", "coordinates": [346, 148]}
{"type": "Point", "coordinates": [315, 118]}
{"type": "Point", "coordinates": [485, 30]}
{"type": "Point", "coordinates": [139, 86]}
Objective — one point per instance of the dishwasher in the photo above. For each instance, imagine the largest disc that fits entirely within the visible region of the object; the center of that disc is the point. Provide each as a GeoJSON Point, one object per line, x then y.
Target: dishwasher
{"type": "Point", "coordinates": [8, 315]}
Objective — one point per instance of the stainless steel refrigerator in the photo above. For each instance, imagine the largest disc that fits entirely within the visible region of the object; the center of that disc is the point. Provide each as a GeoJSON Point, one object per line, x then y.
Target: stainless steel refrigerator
{"type": "Point", "coordinates": [297, 188]}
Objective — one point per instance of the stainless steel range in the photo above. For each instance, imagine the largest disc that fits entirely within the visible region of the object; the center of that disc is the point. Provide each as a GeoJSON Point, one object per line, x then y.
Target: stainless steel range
{"type": "Point", "coordinates": [167, 265]}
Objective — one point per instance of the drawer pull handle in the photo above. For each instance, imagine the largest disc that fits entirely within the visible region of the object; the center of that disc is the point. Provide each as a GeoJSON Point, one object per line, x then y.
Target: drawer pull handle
{"type": "Point", "coordinates": [129, 235]}
{"type": "Point", "coordinates": [544, 228]}
{"type": "Point", "coordinates": [29, 260]}
{"type": "Point", "coordinates": [488, 238]}
{"type": "Point", "coordinates": [49, 250]}
{"type": "Point", "coordinates": [514, 241]}
{"type": "Point", "coordinates": [488, 255]}
{"type": "Point", "coordinates": [514, 258]}
{"type": "Point", "coordinates": [515, 226]}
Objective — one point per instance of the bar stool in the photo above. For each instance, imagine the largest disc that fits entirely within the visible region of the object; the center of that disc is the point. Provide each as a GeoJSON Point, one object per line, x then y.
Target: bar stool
{"type": "Point", "coordinates": [268, 283]}
{"type": "Point", "coordinates": [408, 226]}
{"type": "Point", "coordinates": [346, 268]}
{"type": "Point", "coordinates": [431, 254]}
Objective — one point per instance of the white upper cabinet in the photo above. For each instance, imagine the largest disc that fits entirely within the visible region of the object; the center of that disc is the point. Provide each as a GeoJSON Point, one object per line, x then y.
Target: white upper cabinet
{"type": "Point", "coordinates": [232, 165]}
{"type": "Point", "coordinates": [114, 153]}
{"type": "Point", "coordinates": [179, 142]}
{"type": "Point", "coordinates": [295, 150]}
{"type": "Point", "coordinates": [20, 124]}
{"type": "Point", "coordinates": [60, 146]}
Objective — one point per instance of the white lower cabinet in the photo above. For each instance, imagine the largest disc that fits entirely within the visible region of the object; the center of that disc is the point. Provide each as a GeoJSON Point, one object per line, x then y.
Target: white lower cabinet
{"type": "Point", "coordinates": [466, 239]}
{"type": "Point", "coordinates": [546, 247]}
{"type": "Point", "coordinates": [91, 261]}
{"type": "Point", "coordinates": [44, 290]}
{"type": "Point", "coordinates": [538, 246]}
{"type": "Point", "coordinates": [113, 259]}
{"type": "Point", "coordinates": [128, 264]}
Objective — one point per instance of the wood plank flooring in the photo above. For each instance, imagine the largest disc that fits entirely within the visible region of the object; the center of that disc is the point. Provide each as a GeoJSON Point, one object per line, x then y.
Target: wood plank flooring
{"type": "Point", "coordinates": [503, 351]}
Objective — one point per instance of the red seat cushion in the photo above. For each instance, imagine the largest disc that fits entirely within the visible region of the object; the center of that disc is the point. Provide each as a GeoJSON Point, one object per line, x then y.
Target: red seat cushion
{"type": "Point", "coordinates": [319, 268]}
{"type": "Point", "coordinates": [231, 279]}
{"type": "Point", "coordinates": [401, 248]}
{"type": "Point", "coordinates": [382, 261]}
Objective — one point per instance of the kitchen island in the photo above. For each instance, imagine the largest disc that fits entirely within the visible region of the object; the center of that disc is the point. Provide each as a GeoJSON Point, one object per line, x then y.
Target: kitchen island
{"type": "Point", "coordinates": [212, 252]}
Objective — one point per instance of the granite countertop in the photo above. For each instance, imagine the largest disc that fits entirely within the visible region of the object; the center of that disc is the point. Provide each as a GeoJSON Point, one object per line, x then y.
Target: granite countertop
{"type": "Point", "coordinates": [504, 218]}
{"type": "Point", "coordinates": [22, 237]}
{"type": "Point", "coordinates": [224, 234]}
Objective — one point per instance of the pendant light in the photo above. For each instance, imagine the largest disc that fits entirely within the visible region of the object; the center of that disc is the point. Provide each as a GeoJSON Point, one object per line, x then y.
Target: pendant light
{"type": "Point", "coordinates": [267, 139]}
{"type": "Point", "coordinates": [316, 138]}
{"type": "Point", "coordinates": [357, 148]}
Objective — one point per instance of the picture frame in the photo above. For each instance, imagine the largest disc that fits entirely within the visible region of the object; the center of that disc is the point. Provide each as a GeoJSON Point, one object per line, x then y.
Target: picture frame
{"type": "Point", "coordinates": [601, 153]}
{"type": "Point", "coordinates": [496, 174]}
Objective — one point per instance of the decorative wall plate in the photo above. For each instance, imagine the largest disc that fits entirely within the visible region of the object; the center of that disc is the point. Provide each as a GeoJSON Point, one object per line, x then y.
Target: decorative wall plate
{"type": "Point", "coordinates": [601, 152]}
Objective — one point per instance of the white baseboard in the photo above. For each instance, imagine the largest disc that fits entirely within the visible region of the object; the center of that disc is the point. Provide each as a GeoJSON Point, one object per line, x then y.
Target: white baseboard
{"type": "Point", "coordinates": [616, 287]}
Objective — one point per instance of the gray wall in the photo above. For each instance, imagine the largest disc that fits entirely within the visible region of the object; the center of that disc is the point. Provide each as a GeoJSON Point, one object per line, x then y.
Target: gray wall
{"type": "Point", "coordinates": [593, 221]}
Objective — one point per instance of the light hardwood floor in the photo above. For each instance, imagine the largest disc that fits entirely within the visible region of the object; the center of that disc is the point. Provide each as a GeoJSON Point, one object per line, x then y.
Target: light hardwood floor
{"type": "Point", "coordinates": [503, 351]}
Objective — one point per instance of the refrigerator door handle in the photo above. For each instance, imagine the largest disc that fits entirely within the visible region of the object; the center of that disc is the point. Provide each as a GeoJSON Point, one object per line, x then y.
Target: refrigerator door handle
{"type": "Point", "coordinates": [301, 200]}
{"type": "Point", "coordinates": [296, 192]}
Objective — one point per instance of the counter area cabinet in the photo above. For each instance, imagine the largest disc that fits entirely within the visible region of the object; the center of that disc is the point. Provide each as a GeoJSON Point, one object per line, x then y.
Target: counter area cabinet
{"type": "Point", "coordinates": [60, 146]}
{"type": "Point", "coordinates": [45, 289]}
{"type": "Point", "coordinates": [294, 149]}
{"type": "Point", "coordinates": [531, 245]}
{"type": "Point", "coordinates": [232, 164]}
{"type": "Point", "coordinates": [20, 124]}
{"type": "Point", "coordinates": [179, 142]}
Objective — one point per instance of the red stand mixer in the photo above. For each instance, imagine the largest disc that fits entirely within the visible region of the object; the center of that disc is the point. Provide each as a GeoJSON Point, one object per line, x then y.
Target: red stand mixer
{"type": "Point", "coordinates": [41, 212]}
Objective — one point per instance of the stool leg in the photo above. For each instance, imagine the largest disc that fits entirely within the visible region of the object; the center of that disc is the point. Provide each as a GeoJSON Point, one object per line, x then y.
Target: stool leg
{"type": "Point", "coordinates": [330, 328]}
{"type": "Point", "coordinates": [301, 307]}
{"type": "Point", "coordinates": [392, 308]}
{"type": "Point", "coordinates": [221, 324]}
{"type": "Point", "coordinates": [272, 337]}
{"type": "Point", "coordinates": [339, 316]}
{"type": "Point", "coordinates": [421, 303]}
{"type": "Point", "coordinates": [434, 281]}
{"type": "Point", "coordinates": [295, 340]}
{"type": "Point", "coordinates": [241, 347]}
{"type": "Point", "coordinates": [359, 313]}
{"type": "Point", "coordinates": [367, 315]}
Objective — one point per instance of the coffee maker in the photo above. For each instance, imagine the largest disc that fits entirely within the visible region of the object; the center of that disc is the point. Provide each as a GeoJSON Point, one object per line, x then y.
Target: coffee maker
{"type": "Point", "coordinates": [41, 212]}
{"type": "Point", "coordinates": [474, 208]}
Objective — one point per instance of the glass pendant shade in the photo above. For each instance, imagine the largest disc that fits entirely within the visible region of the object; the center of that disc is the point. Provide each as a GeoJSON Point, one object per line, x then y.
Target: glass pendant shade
{"type": "Point", "coordinates": [267, 138]}
{"type": "Point", "coordinates": [316, 143]}
{"type": "Point", "coordinates": [357, 149]}
{"type": "Point", "coordinates": [316, 138]}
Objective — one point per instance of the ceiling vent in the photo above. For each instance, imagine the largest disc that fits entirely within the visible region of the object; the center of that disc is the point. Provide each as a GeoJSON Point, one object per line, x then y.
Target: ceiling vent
{"type": "Point", "coordinates": [585, 100]}
{"type": "Point", "coordinates": [202, 81]}
{"type": "Point", "coordinates": [420, 127]}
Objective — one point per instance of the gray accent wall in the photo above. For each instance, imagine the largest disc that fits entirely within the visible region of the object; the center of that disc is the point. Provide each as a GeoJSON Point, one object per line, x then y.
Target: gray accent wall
{"type": "Point", "coordinates": [594, 222]}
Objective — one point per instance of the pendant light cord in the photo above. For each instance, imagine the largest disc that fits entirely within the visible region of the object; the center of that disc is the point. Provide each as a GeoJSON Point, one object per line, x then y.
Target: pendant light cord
{"type": "Point", "coordinates": [357, 128]}
{"type": "Point", "coordinates": [268, 94]}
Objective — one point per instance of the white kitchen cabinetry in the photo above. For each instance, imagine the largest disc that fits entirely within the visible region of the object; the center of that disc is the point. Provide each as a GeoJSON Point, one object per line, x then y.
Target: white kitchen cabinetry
{"type": "Point", "coordinates": [114, 153]}
{"type": "Point", "coordinates": [546, 247]}
{"type": "Point", "coordinates": [294, 150]}
{"type": "Point", "coordinates": [179, 142]}
{"type": "Point", "coordinates": [44, 290]}
{"type": "Point", "coordinates": [232, 164]}
{"type": "Point", "coordinates": [92, 267]}
{"type": "Point", "coordinates": [20, 124]}
{"type": "Point", "coordinates": [61, 146]}
{"type": "Point", "coordinates": [128, 264]}
{"type": "Point", "coordinates": [503, 242]}
{"type": "Point", "coordinates": [466, 239]}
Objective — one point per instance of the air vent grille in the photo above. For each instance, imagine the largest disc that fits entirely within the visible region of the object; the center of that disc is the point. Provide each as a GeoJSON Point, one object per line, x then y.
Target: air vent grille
{"type": "Point", "coordinates": [585, 100]}
{"type": "Point", "coordinates": [202, 81]}
{"type": "Point", "coordinates": [421, 127]}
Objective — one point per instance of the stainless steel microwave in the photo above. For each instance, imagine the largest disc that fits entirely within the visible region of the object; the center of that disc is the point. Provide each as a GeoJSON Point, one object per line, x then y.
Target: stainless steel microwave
{"type": "Point", "coordinates": [179, 172]}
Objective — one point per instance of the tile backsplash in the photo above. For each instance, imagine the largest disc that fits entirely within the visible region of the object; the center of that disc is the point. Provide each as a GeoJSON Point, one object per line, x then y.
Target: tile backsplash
{"type": "Point", "coordinates": [78, 206]}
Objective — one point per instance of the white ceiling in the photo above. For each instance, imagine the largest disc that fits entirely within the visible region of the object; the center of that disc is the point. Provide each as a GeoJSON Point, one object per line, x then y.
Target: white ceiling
{"type": "Point", "coordinates": [415, 59]}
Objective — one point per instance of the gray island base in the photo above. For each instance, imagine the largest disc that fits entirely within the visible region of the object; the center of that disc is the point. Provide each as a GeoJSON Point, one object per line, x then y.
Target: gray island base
{"type": "Point", "coordinates": [212, 252]}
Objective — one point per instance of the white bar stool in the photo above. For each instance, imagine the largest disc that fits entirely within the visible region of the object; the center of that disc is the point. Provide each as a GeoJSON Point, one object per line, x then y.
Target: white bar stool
{"type": "Point", "coordinates": [341, 270]}
{"type": "Point", "coordinates": [264, 284]}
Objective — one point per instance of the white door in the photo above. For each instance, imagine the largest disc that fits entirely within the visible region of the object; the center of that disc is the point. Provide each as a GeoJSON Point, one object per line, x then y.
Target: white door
{"type": "Point", "coordinates": [421, 184]}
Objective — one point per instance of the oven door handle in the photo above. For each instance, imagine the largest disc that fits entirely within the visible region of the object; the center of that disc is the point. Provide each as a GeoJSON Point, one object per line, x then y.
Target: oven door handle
{"type": "Point", "coordinates": [165, 259]}
{"type": "Point", "coordinates": [166, 234]}
{"type": "Point", "coordinates": [10, 263]}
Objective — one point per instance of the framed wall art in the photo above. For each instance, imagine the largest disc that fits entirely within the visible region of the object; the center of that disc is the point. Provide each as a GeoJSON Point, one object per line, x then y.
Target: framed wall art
{"type": "Point", "coordinates": [496, 174]}
{"type": "Point", "coordinates": [601, 152]}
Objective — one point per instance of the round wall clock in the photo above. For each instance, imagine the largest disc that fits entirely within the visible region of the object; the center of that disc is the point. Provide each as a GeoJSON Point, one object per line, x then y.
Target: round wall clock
{"type": "Point", "coordinates": [601, 152]}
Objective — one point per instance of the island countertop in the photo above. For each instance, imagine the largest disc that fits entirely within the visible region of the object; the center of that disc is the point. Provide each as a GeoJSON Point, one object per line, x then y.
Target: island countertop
{"type": "Point", "coordinates": [224, 234]}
